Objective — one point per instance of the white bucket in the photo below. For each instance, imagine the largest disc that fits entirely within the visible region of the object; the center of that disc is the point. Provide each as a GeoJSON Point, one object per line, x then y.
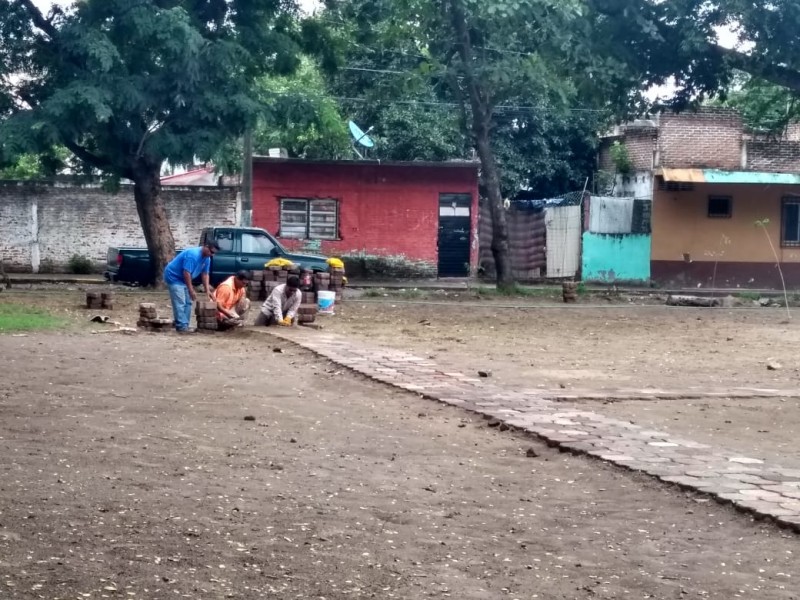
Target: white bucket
{"type": "Point", "coordinates": [326, 302]}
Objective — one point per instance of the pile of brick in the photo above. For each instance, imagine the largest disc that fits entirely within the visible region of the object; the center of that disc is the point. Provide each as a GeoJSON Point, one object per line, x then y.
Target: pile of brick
{"type": "Point", "coordinates": [332, 281]}
{"type": "Point", "coordinates": [100, 300]}
{"type": "Point", "coordinates": [264, 282]}
{"type": "Point", "coordinates": [149, 319]}
{"type": "Point", "coordinates": [206, 314]}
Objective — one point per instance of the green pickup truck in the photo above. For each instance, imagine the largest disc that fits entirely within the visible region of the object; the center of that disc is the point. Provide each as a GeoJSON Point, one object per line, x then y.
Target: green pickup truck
{"type": "Point", "coordinates": [240, 248]}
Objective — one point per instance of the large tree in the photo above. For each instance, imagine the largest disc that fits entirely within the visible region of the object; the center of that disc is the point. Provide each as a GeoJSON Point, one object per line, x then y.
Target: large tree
{"type": "Point", "coordinates": [503, 72]}
{"type": "Point", "coordinates": [128, 84]}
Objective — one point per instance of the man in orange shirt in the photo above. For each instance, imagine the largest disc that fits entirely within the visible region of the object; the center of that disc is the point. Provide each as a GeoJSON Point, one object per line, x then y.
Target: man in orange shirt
{"type": "Point", "coordinates": [232, 302]}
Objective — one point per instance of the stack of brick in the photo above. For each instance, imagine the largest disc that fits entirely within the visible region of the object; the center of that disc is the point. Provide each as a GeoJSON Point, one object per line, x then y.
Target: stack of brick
{"type": "Point", "coordinates": [98, 300]}
{"type": "Point", "coordinates": [337, 282]}
{"type": "Point", "coordinates": [149, 319]}
{"type": "Point", "coordinates": [206, 314]}
{"type": "Point", "coordinates": [255, 290]}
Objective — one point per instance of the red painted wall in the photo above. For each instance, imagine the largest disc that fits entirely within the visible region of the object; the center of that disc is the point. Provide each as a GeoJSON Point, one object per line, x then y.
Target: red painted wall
{"type": "Point", "coordinates": [383, 209]}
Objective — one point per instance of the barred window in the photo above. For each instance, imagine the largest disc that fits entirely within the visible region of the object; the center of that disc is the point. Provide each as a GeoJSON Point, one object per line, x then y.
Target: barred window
{"type": "Point", "coordinates": [309, 219]}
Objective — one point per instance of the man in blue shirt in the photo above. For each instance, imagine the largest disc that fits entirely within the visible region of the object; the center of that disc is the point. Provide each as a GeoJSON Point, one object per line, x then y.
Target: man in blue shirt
{"type": "Point", "coordinates": [178, 276]}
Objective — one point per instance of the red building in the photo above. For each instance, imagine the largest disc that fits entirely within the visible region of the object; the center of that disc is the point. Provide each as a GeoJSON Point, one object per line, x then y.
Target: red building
{"type": "Point", "coordinates": [422, 211]}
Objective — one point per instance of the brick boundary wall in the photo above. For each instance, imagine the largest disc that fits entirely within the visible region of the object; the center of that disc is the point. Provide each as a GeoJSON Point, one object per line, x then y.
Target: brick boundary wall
{"type": "Point", "coordinates": [43, 224]}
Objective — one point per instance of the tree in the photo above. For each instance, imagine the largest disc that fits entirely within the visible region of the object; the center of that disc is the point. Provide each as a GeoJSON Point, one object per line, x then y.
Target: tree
{"type": "Point", "coordinates": [679, 39]}
{"type": "Point", "coordinates": [765, 107]}
{"type": "Point", "coordinates": [469, 62]}
{"type": "Point", "coordinates": [128, 84]}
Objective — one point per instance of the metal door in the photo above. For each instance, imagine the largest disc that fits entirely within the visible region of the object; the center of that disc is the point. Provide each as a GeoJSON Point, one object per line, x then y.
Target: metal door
{"type": "Point", "coordinates": [454, 235]}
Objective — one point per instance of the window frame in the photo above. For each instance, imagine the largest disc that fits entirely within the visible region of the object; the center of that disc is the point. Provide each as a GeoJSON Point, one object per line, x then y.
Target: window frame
{"type": "Point", "coordinates": [307, 234]}
{"type": "Point", "coordinates": [256, 235]}
{"type": "Point", "coordinates": [720, 215]}
{"type": "Point", "coordinates": [786, 201]}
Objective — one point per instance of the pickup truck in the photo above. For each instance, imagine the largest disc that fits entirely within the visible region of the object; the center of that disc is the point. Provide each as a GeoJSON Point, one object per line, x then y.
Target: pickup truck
{"type": "Point", "coordinates": [240, 248]}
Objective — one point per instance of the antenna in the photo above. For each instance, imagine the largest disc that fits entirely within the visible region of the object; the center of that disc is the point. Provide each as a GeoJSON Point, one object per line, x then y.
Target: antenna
{"type": "Point", "coordinates": [361, 138]}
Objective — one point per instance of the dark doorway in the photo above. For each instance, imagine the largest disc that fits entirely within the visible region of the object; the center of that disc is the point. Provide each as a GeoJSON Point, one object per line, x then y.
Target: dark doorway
{"type": "Point", "coordinates": [454, 234]}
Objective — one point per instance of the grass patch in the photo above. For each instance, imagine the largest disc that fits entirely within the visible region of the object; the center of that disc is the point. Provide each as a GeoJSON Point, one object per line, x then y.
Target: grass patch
{"type": "Point", "coordinates": [15, 317]}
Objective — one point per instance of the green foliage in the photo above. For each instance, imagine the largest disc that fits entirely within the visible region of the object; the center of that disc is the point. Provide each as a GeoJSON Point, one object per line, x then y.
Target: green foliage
{"type": "Point", "coordinates": [128, 85]}
{"type": "Point", "coordinates": [301, 117]}
{"type": "Point", "coordinates": [621, 158]}
{"type": "Point", "coordinates": [35, 166]}
{"type": "Point", "coordinates": [16, 317]}
{"type": "Point", "coordinates": [80, 265]}
{"type": "Point", "coordinates": [655, 43]}
{"type": "Point", "coordinates": [404, 80]}
{"type": "Point", "coordinates": [27, 166]}
{"type": "Point", "coordinates": [765, 107]}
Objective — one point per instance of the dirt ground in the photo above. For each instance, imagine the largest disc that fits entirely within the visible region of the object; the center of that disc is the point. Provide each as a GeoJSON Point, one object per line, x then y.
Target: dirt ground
{"type": "Point", "coordinates": [130, 471]}
{"type": "Point", "coordinates": [612, 348]}
{"type": "Point", "coordinates": [608, 347]}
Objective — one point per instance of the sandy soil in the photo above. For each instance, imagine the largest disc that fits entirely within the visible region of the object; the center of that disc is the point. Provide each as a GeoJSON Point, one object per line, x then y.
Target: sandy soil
{"type": "Point", "coordinates": [130, 471]}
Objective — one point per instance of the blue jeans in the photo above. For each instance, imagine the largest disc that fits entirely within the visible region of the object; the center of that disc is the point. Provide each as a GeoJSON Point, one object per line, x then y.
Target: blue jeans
{"type": "Point", "coordinates": [181, 305]}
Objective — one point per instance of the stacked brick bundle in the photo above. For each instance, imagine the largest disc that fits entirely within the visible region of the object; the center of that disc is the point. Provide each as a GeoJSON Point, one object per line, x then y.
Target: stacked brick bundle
{"type": "Point", "coordinates": [149, 319]}
{"type": "Point", "coordinates": [337, 282]}
{"type": "Point", "coordinates": [206, 314]}
{"type": "Point", "coordinates": [100, 300]}
{"type": "Point", "coordinates": [265, 281]}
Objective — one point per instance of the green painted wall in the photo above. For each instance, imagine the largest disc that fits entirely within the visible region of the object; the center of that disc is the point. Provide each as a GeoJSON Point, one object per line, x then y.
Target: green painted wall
{"type": "Point", "coordinates": [616, 257]}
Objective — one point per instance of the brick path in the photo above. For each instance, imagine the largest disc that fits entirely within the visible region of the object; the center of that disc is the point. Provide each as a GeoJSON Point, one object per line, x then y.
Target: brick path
{"type": "Point", "coordinates": [750, 484]}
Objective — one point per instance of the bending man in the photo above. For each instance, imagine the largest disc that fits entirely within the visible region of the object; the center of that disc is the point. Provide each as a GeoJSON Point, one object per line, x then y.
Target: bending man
{"type": "Point", "coordinates": [180, 273]}
{"type": "Point", "coordinates": [232, 302]}
{"type": "Point", "coordinates": [282, 304]}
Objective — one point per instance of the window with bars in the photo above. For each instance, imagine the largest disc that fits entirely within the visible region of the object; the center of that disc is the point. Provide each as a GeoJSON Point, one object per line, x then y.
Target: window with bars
{"type": "Point", "coordinates": [309, 219]}
{"type": "Point", "coordinates": [790, 225]}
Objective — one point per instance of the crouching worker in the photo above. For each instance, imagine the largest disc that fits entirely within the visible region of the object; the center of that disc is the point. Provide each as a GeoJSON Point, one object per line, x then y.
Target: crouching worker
{"type": "Point", "coordinates": [232, 302]}
{"type": "Point", "coordinates": [282, 304]}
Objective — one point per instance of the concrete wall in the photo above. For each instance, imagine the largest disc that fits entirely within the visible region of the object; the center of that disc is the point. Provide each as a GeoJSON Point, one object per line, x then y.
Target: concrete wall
{"type": "Point", "coordinates": [385, 210]}
{"type": "Point", "coordinates": [687, 243]}
{"type": "Point", "coordinates": [616, 258]}
{"type": "Point", "coordinates": [42, 225]}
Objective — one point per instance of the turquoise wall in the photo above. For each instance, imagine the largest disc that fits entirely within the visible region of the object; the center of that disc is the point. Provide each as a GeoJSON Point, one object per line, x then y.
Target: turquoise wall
{"type": "Point", "coordinates": [616, 257]}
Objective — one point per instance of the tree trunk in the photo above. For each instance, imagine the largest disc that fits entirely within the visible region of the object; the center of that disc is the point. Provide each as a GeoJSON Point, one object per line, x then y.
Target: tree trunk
{"type": "Point", "coordinates": [501, 250]}
{"type": "Point", "coordinates": [481, 122]}
{"type": "Point", "coordinates": [153, 217]}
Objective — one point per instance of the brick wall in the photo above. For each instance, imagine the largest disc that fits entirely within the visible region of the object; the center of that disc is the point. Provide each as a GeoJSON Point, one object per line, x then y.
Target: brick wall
{"type": "Point", "coordinates": [641, 144]}
{"type": "Point", "coordinates": [709, 138]}
{"type": "Point", "coordinates": [42, 225]}
{"type": "Point", "coordinates": [384, 209]}
{"type": "Point", "coordinates": [773, 156]}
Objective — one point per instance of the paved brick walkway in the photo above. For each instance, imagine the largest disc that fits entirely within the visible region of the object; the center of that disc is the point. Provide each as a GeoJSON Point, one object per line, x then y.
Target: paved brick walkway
{"type": "Point", "coordinates": [750, 484]}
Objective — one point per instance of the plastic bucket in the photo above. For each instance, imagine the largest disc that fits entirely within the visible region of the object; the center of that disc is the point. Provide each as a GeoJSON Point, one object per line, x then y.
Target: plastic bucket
{"type": "Point", "coordinates": [326, 302]}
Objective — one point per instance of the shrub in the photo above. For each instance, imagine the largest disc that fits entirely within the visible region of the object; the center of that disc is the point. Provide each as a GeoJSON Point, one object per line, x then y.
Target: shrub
{"type": "Point", "coordinates": [80, 265]}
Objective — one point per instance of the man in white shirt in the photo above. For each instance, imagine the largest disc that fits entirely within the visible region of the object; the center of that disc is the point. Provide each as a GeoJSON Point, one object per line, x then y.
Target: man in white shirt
{"type": "Point", "coordinates": [281, 306]}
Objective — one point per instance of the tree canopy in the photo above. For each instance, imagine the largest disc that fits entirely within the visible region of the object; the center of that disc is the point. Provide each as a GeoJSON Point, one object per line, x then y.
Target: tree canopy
{"type": "Point", "coordinates": [127, 85]}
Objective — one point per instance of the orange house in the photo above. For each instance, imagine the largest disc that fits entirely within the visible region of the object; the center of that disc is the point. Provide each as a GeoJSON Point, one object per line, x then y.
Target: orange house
{"type": "Point", "coordinates": [725, 201]}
